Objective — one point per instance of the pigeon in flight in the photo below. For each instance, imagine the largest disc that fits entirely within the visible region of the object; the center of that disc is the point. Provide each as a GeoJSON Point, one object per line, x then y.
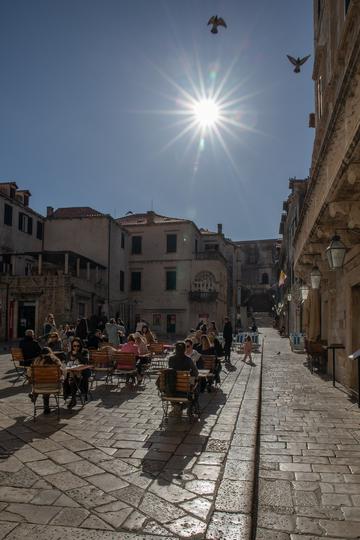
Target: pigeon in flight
{"type": "Point", "coordinates": [297, 62]}
{"type": "Point", "coordinates": [216, 21]}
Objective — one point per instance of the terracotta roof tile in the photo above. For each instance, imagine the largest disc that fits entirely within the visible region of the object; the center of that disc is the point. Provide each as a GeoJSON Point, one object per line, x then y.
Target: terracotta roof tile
{"type": "Point", "coordinates": [144, 218]}
{"type": "Point", "coordinates": [75, 212]}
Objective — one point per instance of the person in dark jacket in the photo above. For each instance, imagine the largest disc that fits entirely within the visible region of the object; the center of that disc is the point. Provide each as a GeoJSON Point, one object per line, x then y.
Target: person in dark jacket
{"type": "Point", "coordinates": [82, 329]}
{"type": "Point", "coordinates": [228, 337]}
{"type": "Point", "coordinates": [30, 348]}
{"type": "Point", "coordinates": [94, 340]}
{"type": "Point", "coordinates": [180, 362]}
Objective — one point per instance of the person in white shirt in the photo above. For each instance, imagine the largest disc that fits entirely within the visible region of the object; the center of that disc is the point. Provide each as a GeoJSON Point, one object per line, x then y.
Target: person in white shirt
{"type": "Point", "coordinates": [192, 353]}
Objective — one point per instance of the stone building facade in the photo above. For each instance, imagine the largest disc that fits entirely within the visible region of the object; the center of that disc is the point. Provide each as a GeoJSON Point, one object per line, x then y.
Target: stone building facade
{"type": "Point", "coordinates": [288, 295]}
{"type": "Point", "coordinates": [332, 202]}
{"type": "Point", "coordinates": [259, 273]}
{"type": "Point", "coordinates": [74, 263]}
{"type": "Point", "coordinates": [174, 280]}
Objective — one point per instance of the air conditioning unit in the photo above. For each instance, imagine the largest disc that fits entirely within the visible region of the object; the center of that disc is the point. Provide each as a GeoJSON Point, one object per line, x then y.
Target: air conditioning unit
{"type": "Point", "coordinates": [312, 120]}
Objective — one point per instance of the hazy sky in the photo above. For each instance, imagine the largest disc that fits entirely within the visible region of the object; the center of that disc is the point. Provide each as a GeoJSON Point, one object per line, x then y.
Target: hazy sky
{"type": "Point", "coordinates": [91, 91]}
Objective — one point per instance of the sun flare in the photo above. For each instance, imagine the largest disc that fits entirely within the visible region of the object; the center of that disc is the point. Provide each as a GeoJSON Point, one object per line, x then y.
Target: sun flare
{"type": "Point", "coordinates": [207, 113]}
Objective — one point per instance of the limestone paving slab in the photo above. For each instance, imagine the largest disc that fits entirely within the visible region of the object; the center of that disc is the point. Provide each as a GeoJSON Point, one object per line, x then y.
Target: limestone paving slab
{"type": "Point", "coordinates": [108, 470]}
{"type": "Point", "coordinates": [304, 491]}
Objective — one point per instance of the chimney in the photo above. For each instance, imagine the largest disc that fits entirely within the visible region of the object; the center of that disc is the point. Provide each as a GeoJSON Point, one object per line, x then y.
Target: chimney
{"type": "Point", "coordinates": [150, 217]}
{"type": "Point", "coordinates": [49, 211]}
{"type": "Point", "coordinates": [219, 228]}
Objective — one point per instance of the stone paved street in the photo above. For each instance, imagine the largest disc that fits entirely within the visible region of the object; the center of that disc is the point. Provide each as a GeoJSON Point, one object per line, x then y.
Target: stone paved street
{"type": "Point", "coordinates": [109, 471]}
{"type": "Point", "coordinates": [309, 483]}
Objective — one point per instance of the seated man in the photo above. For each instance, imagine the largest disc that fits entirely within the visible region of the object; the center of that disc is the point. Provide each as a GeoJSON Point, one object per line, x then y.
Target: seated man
{"type": "Point", "coordinates": [94, 340]}
{"type": "Point", "coordinates": [180, 362]}
{"type": "Point", "coordinates": [30, 348]}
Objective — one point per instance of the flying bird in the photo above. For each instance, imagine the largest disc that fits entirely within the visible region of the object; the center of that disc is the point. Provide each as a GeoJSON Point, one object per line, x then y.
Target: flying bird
{"type": "Point", "coordinates": [297, 62]}
{"type": "Point", "coordinates": [216, 21]}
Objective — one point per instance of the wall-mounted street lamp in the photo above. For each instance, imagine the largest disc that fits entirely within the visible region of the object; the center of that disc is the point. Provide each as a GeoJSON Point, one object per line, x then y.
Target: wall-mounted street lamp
{"type": "Point", "coordinates": [304, 290]}
{"type": "Point", "coordinates": [289, 297]}
{"type": "Point", "coordinates": [315, 277]}
{"type": "Point", "coordinates": [335, 253]}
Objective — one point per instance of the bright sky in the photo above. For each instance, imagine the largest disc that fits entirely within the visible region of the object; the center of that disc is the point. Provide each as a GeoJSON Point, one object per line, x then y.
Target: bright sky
{"type": "Point", "coordinates": [91, 91]}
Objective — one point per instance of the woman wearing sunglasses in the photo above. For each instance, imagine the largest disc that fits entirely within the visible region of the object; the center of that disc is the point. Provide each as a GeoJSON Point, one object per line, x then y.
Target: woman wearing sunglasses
{"type": "Point", "coordinates": [77, 381]}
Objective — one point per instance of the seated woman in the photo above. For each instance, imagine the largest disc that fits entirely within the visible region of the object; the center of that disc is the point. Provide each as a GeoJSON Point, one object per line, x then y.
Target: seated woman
{"type": "Point", "coordinates": [208, 349]}
{"type": "Point", "coordinates": [131, 346]}
{"type": "Point", "coordinates": [77, 381]}
{"type": "Point", "coordinates": [46, 358]}
{"type": "Point", "coordinates": [149, 336]}
{"type": "Point", "coordinates": [212, 328]}
{"type": "Point", "coordinates": [197, 340]}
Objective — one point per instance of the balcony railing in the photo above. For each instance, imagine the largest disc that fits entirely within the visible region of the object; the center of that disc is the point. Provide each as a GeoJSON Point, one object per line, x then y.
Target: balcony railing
{"type": "Point", "coordinates": [210, 256]}
{"type": "Point", "coordinates": [201, 296]}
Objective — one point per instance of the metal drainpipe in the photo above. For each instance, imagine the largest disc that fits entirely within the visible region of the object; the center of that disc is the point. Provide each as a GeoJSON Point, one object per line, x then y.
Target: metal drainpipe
{"type": "Point", "coordinates": [108, 272]}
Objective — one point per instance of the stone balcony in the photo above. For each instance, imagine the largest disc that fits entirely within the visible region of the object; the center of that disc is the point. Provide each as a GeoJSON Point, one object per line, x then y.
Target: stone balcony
{"type": "Point", "coordinates": [203, 296]}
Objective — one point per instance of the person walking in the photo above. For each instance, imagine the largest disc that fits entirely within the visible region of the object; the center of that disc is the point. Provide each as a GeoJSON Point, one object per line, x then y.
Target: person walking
{"type": "Point", "coordinates": [228, 337]}
{"type": "Point", "coordinates": [247, 349]}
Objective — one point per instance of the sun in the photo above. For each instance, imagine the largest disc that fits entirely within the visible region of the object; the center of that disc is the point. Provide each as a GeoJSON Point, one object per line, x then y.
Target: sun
{"type": "Point", "coordinates": [206, 113]}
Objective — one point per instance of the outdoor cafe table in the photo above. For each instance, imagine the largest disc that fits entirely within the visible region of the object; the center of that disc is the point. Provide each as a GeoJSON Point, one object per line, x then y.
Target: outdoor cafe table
{"type": "Point", "coordinates": [77, 371]}
{"type": "Point", "coordinates": [203, 373]}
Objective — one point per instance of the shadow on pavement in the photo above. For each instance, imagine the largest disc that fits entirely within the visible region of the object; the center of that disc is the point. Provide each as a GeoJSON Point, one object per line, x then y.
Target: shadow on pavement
{"type": "Point", "coordinates": [171, 439]}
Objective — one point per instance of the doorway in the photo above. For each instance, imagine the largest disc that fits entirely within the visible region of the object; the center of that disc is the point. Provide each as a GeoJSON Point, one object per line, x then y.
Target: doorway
{"type": "Point", "coordinates": [355, 325]}
{"type": "Point", "coordinates": [26, 317]}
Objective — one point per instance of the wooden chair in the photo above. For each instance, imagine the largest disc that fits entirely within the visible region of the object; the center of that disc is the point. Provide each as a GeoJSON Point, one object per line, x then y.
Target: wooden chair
{"type": "Point", "coordinates": [316, 356]}
{"type": "Point", "coordinates": [209, 362]}
{"type": "Point", "coordinates": [18, 357]}
{"type": "Point", "coordinates": [124, 366]}
{"type": "Point", "coordinates": [185, 394]}
{"type": "Point", "coordinates": [46, 380]}
{"type": "Point", "coordinates": [102, 364]}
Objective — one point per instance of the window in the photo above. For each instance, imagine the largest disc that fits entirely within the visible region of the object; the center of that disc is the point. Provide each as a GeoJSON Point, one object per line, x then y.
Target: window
{"type": "Point", "coordinates": [39, 230]}
{"type": "Point", "coordinates": [204, 282]}
{"type": "Point", "coordinates": [28, 269]}
{"type": "Point", "coordinates": [122, 240]}
{"type": "Point", "coordinates": [196, 245]}
{"type": "Point", "coordinates": [122, 280]}
{"type": "Point", "coordinates": [136, 245]}
{"type": "Point", "coordinates": [211, 247]}
{"type": "Point", "coordinates": [171, 280]}
{"type": "Point", "coordinates": [171, 324]}
{"type": "Point", "coordinates": [8, 213]}
{"type": "Point", "coordinates": [25, 223]}
{"type": "Point", "coordinates": [156, 319]}
{"type": "Point", "coordinates": [5, 264]}
{"type": "Point", "coordinates": [136, 281]}
{"type": "Point", "coordinates": [171, 241]}
{"type": "Point", "coordinates": [265, 279]}
{"type": "Point", "coordinates": [320, 97]}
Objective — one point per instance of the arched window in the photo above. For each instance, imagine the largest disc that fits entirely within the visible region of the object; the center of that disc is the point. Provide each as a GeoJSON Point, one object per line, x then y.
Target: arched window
{"type": "Point", "coordinates": [265, 279]}
{"type": "Point", "coordinates": [204, 282]}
